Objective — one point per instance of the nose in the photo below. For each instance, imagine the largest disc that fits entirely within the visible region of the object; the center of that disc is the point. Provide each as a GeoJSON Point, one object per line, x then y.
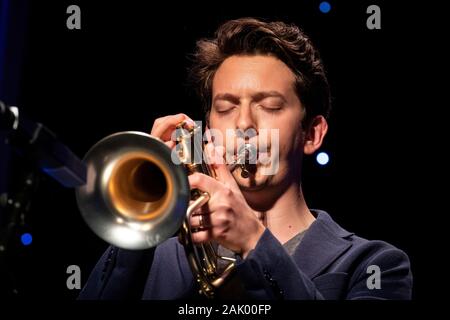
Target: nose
{"type": "Point", "coordinates": [246, 125]}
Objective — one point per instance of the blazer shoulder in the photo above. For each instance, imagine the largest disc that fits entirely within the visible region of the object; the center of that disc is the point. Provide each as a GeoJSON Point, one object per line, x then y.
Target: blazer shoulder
{"type": "Point", "coordinates": [371, 257]}
{"type": "Point", "coordinates": [375, 247]}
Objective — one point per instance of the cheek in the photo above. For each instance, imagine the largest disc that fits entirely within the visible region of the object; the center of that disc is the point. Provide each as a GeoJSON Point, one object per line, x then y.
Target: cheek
{"type": "Point", "coordinates": [290, 138]}
{"type": "Point", "coordinates": [288, 124]}
{"type": "Point", "coordinates": [219, 123]}
{"type": "Point", "coordinates": [219, 129]}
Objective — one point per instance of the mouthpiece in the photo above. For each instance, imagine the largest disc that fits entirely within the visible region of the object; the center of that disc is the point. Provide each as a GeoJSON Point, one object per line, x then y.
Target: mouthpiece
{"type": "Point", "coordinates": [246, 156]}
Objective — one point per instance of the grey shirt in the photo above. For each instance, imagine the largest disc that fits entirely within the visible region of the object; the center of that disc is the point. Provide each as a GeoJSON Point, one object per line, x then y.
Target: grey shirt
{"type": "Point", "coordinates": [293, 243]}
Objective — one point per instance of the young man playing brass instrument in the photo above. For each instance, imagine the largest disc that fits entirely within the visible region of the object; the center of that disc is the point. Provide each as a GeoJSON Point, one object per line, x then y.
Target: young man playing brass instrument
{"type": "Point", "coordinates": [256, 76]}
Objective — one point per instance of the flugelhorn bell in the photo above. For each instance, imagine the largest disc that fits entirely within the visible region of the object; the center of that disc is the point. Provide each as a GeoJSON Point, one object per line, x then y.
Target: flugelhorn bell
{"type": "Point", "coordinates": [135, 196]}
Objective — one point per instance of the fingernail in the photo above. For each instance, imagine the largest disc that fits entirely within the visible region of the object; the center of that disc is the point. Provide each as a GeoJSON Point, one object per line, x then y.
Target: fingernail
{"type": "Point", "coordinates": [190, 122]}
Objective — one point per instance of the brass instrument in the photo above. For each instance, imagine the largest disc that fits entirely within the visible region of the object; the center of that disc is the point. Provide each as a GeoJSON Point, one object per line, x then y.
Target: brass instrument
{"type": "Point", "coordinates": [136, 196]}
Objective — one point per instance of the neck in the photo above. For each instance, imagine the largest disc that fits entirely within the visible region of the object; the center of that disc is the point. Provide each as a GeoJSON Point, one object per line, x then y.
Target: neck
{"type": "Point", "coordinates": [284, 214]}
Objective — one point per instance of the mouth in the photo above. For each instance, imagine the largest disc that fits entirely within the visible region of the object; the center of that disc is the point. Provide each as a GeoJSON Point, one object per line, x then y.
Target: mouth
{"type": "Point", "coordinates": [248, 159]}
{"type": "Point", "coordinates": [250, 153]}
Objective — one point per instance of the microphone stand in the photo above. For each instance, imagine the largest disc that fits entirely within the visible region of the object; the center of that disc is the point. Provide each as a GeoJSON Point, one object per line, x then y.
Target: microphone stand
{"type": "Point", "coordinates": [43, 152]}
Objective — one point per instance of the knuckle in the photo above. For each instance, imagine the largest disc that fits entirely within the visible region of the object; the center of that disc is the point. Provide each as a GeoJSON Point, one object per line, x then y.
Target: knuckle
{"type": "Point", "coordinates": [230, 212]}
{"type": "Point", "coordinates": [195, 178]}
{"type": "Point", "coordinates": [222, 218]}
{"type": "Point", "coordinates": [222, 209]}
{"type": "Point", "coordinates": [220, 150]}
{"type": "Point", "coordinates": [226, 192]}
{"type": "Point", "coordinates": [198, 237]}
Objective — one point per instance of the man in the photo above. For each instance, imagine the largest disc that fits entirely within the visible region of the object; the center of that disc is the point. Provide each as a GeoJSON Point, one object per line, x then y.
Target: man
{"type": "Point", "coordinates": [255, 76]}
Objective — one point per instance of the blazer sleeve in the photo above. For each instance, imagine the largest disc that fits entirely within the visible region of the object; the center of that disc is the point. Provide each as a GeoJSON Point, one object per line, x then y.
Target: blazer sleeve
{"type": "Point", "coordinates": [119, 274]}
{"type": "Point", "coordinates": [268, 272]}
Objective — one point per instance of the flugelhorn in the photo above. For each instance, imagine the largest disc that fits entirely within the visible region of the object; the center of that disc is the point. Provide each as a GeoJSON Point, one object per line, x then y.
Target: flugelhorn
{"type": "Point", "coordinates": [136, 196]}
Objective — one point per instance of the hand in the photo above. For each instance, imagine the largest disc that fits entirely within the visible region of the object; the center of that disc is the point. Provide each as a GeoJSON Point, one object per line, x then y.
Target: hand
{"type": "Point", "coordinates": [227, 218]}
{"type": "Point", "coordinates": [164, 126]}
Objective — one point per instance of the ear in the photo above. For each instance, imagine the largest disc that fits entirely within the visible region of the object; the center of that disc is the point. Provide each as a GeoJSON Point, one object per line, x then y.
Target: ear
{"type": "Point", "coordinates": [314, 134]}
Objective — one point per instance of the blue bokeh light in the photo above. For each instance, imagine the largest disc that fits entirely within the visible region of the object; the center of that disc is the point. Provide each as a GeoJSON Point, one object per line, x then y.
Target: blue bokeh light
{"type": "Point", "coordinates": [325, 7]}
{"type": "Point", "coordinates": [26, 239]}
{"type": "Point", "coordinates": [322, 158]}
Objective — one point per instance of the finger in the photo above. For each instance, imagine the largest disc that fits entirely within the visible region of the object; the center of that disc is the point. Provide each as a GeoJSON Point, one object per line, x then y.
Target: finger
{"type": "Point", "coordinates": [221, 169]}
{"type": "Point", "coordinates": [209, 138]}
{"type": "Point", "coordinates": [215, 154]}
{"type": "Point", "coordinates": [171, 144]}
{"type": "Point", "coordinates": [204, 183]}
{"type": "Point", "coordinates": [200, 221]}
{"type": "Point", "coordinates": [204, 209]}
{"type": "Point", "coordinates": [163, 127]}
{"type": "Point", "coordinates": [202, 236]}
{"type": "Point", "coordinates": [210, 154]}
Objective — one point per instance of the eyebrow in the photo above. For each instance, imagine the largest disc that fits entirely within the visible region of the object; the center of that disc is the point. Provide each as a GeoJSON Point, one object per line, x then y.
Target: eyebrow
{"type": "Point", "coordinates": [268, 94]}
{"type": "Point", "coordinates": [226, 96]}
{"type": "Point", "coordinates": [256, 97]}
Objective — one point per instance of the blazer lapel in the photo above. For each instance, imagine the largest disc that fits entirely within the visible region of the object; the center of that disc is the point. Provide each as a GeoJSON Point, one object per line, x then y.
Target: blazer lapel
{"type": "Point", "coordinates": [323, 243]}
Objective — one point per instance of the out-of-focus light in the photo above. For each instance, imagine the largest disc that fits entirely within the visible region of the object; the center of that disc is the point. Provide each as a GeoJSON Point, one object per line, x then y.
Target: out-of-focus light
{"type": "Point", "coordinates": [26, 239]}
{"type": "Point", "coordinates": [325, 7]}
{"type": "Point", "coordinates": [322, 158]}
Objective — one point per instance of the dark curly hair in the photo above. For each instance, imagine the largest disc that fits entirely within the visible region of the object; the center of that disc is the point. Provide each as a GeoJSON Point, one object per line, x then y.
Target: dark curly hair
{"type": "Point", "coordinates": [249, 36]}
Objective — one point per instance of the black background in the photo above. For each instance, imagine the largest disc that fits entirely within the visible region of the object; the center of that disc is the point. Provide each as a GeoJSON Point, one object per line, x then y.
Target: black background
{"type": "Point", "coordinates": [127, 66]}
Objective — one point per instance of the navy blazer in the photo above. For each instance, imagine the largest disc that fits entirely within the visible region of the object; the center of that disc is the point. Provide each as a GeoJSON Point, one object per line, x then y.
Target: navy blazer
{"type": "Point", "coordinates": [329, 263]}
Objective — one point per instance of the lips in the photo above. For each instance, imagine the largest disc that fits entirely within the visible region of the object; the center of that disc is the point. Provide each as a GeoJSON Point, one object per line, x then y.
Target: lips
{"type": "Point", "coordinates": [251, 154]}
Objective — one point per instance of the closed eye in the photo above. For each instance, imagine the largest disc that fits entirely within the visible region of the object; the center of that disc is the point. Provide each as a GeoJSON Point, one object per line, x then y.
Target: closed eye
{"type": "Point", "coordinates": [226, 111]}
{"type": "Point", "coordinates": [271, 109]}
{"type": "Point", "coordinates": [271, 104]}
{"type": "Point", "coordinates": [224, 107]}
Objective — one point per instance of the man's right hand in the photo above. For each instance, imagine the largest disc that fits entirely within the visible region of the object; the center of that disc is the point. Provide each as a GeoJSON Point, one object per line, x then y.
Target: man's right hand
{"type": "Point", "coordinates": [163, 127]}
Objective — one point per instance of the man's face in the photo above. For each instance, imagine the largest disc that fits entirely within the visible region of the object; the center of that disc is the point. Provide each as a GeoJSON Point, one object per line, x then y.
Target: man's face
{"type": "Point", "coordinates": [258, 92]}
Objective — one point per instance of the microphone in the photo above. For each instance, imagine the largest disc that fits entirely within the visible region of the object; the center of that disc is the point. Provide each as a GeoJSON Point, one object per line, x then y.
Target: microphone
{"type": "Point", "coordinates": [33, 138]}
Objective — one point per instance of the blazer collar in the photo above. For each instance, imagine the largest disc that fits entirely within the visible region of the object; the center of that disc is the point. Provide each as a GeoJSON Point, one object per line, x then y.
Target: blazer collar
{"type": "Point", "coordinates": [322, 244]}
